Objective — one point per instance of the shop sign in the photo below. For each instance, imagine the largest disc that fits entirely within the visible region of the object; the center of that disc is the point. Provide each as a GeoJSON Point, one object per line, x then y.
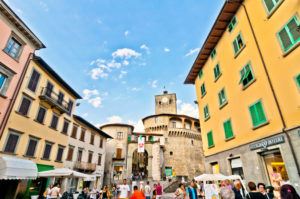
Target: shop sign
{"type": "Point", "coordinates": [267, 142]}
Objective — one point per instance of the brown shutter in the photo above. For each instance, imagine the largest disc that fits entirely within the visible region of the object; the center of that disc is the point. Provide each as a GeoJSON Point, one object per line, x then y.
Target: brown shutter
{"type": "Point", "coordinates": [31, 148]}
{"type": "Point", "coordinates": [65, 127]}
{"type": "Point", "coordinates": [90, 157]}
{"type": "Point", "coordinates": [119, 153]}
{"type": "Point", "coordinates": [99, 159]}
{"type": "Point", "coordinates": [34, 80]}
{"type": "Point", "coordinates": [24, 106]}
{"type": "Point", "coordinates": [79, 155]}
{"type": "Point", "coordinates": [70, 154]}
{"type": "Point", "coordinates": [82, 135]}
{"type": "Point", "coordinates": [74, 131]}
{"type": "Point", "coordinates": [92, 138]}
{"type": "Point", "coordinates": [101, 142]}
{"type": "Point", "coordinates": [11, 143]}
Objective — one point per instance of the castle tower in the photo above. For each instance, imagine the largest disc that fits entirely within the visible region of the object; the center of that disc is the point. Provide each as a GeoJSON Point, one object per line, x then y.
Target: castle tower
{"type": "Point", "coordinates": [165, 103]}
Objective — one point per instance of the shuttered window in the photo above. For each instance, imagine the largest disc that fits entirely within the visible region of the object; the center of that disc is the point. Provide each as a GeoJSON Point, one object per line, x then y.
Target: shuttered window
{"type": "Point", "coordinates": [82, 135]}
{"type": "Point", "coordinates": [119, 153]}
{"type": "Point", "coordinates": [47, 151]}
{"type": "Point", "coordinates": [11, 143]}
{"type": "Point", "coordinates": [289, 35]}
{"type": "Point", "coordinates": [70, 106]}
{"type": "Point", "coordinates": [213, 54]}
{"type": "Point", "coordinates": [49, 89]}
{"type": "Point", "coordinates": [70, 153]}
{"type": "Point", "coordinates": [92, 138]}
{"type": "Point", "coordinates": [217, 71]}
{"type": "Point", "coordinates": [60, 98]}
{"type": "Point", "coordinates": [59, 155]}
{"type": "Point", "coordinates": [65, 126]}
{"type": "Point", "coordinates": [74, 131]}
{"type": "Point", "coordinates": [247, 76]}
{"type": "Point", "coordinates": [34, 79]}
{"type": "Point", "coordinates": [24, 106]}
{"type": "Point", "coordinates": [90, 158]}
{"type": "Point", "coordinates": [200, 74]}
{"type": "Point", "coordinates": [257, 114]}
{"type": "Point", "coordinates": [79, 156]}
{"type": "Point", "coordinates": [228, 129]}
{"type": "Point", "coordinates": [32, 144]}
{"type": "Point", "coordinates": [238, 44]}
{"type": "Point", "coordinates": [41, 115]}
{"type": "Point", "coordinates": [54, 121]}
{"type": "Point", "coordinates": [101, 143]}
{"type": "Point", "coordinates": [232, 24]}
{"type": "Point", "coordinates": [203, 90]}
{"type": "Point", "coordinates": [222, 97]}
{"type": "Point", "coordinates": [206, 112]}
{"type": "Point", "coordinates": [298, 80]}
{"type": "Point", "coordinates": [99, 159]}
{"type": "Point", "coordinates": [210, 140]}
{"type": "Point", "coordinates": [271, 4]}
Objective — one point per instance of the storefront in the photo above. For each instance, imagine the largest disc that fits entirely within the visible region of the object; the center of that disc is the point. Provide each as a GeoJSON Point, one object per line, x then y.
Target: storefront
{"type": "Point", "coordinates": [118, 172]}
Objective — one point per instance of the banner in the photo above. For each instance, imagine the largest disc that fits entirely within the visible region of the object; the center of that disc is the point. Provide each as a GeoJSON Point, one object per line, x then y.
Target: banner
{"type": "Point", "coordinates": [141, 144]}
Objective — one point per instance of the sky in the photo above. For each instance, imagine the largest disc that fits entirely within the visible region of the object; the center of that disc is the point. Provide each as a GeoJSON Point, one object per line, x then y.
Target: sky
{"type": "Point", "coordinates": [119, 54]}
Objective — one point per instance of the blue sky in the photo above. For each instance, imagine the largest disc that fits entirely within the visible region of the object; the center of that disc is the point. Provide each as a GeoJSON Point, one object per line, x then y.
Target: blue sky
{"type": "Point", "coordinates": [118, 54]}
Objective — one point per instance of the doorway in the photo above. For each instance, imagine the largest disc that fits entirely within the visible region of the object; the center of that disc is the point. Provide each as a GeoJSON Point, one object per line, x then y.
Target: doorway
{"type": "Point", "coordinates": [139, 165]}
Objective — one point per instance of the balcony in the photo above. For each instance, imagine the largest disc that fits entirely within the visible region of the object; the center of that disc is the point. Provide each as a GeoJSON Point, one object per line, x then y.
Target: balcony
{"type": "Point", "coordinates": [48, 96]}
{"type": "Point", "coordinates": [85, 166]}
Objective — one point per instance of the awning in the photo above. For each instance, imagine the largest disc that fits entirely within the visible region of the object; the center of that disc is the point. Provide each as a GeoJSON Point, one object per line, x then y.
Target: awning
{"type": "Point", "coordinates": [62, 172]}
{"type": "Point", "coordinates": [90, 178]}
{"type": "Point", "coordinates": [17, 169]}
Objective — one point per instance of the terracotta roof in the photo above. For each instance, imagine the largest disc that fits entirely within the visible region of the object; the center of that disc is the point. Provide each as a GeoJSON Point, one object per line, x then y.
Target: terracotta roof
{"type": "Point", "coordinates": [227, 12]}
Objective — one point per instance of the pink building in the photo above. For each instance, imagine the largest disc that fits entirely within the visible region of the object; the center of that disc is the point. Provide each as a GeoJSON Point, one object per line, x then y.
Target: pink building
{"type": "Point", "coordinates": [17, 44]}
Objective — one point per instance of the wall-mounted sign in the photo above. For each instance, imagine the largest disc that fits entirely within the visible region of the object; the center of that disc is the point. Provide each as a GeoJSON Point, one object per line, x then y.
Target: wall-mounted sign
{"type": "Point", "coordinates": [168, 171]}
{"type": "Point", "coordinates": [267, 142]}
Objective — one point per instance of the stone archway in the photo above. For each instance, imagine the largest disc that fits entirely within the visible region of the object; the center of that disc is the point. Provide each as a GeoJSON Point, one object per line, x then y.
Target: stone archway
{"type": "Point", "coordinates": [140, 164]}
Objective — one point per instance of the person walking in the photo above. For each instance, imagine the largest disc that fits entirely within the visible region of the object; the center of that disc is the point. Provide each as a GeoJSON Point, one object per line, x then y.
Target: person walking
{"type": "Point", "coordinates": [180, 192]}
{"type": "Point", "coordinates": [137, 194]}
{"type": "Point", "coordinates": [192, 191]}
{"type": "Point", "coordinates": [288, 192]}
{"type": "Point", "coordinates": [158, 190]}
{"type": "Point", "coordinates": [114, 192]}
{"type": "Point", "coordinates": [124, 190]}
{"type": "Point", "coordinates": [154, 192]}
{"type": "Point", "coordinates": [105, 193]}
{"type": "Point", "coordinates": [48, 192]}
{"type": "Point", "coordinates": [254, 194]}
{"type": "Point", "coordinates": [93, 193]}
{"type": "Point", "coordinates": [262, 189]}
{"type": "Point", "coordinates": [55, 191]}
{"type": "Point", "coordinates": [148, 190]}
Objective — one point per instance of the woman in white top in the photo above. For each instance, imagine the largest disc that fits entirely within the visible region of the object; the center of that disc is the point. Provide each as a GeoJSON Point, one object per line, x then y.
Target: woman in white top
{"type": "Point", "coordinates": [48, 196]}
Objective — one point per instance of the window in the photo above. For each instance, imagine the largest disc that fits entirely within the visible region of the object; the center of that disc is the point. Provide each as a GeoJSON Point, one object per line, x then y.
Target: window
{"type": "Point", "coordinates": [247, 76]}
{"type": "Point", "coordinates": [119, 153]}
{"type": "Point", "coordinates": [70, 106]}
{"type": "Point", "coordinates": [60, 152]}
{"type": "Point", "coordinates": [192, 142]}
{"type": "Point", "coordinates": [156, 120]}
{"type": "Point", "coordinates": [238, 43]}
{"type": "Point", "coordinates": [271, 4]}
{"type": "Point", "coordinates": [2, 80]}
{"type": "Point", "coordinates": [54, 121]}
{"type": "Point", "coordinates": [120, 135]}
{"type": "Point", "coordinates": [257, 114]}
{"type": "Point", "coordinates": [228, 129]}
{"type": "Point", "coordinates": [203, 90]}
{"type": "Point", "coordinates": [222, 97]}
{"type": "Point", "coordinates": [289, 35]}
{"type": "Point", "coordinates": [65, 126]}
{"type": "Point", "coordinates": [60, 98]}
{"type": "Point", "coordinates": [99, 159]}
{"type": "Point", "coordinates": [206, 112]}
{"type": "Point", "coordinates": [232, 24]}
{"type": "Point", "coordinates": [171, 153]}
{"type": "Point", "coordinates": [90, 158]}
{"type": "Point", "coordinates": [11, 142]}
{"type": "Point", "coordinates": [79, 156]}
{"type": "Point", "coordinates": [217, 71]}
{"type": "Point", "coordinates": [41, 115]}
{"type": "Point", "coordinates": [70, 153]}
{"type": "Point", "coordinates": [200, 74]}
{"type": "Point", "coordinates": [298, 80]}
{"type": "Point", "coordinates": [74, 131]}
{"type": "Point", "coordinates": [170, 101]}
{"type": "Point", "coordinates": [25, 105]}
{"type": "Point", "coordinates": [210, 140]}
{"type": "Point", "coordinates": [31, 147]}
{"type": "Point", "coordinates": [101, 143]}
{"type": "Point", "coordinates": [173, 124]}
{"type": "Point", "coordinates": [6, 74]}
{"type": "Point", "coordinates": [13, 48]}
{"type": "Point", "coordinates": [92, 138]}
{"type": "Point", "coordinates": [82, 134]}
{"type": "Point", "coordinates": [47, 151]}
{"type": "Point", "coordinates": [33, 81]}
{"type": "Point", "coordinates": [49, 89]}
{"type": "Point", "coordinates": [213, 54]}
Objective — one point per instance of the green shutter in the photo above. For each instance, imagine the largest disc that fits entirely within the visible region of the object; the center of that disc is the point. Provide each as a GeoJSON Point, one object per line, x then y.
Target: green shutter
{"type": "Point", "coordinates": [200, 74]}
{"type": "Point", "coordinates": [260, 112]}
{"type": "Point", "coordinates": [253, 115]}
{"type": "Point", "coordinates": [228, 129]}
{"type": "Point", "coordinates": [269, 4]}
{"type": "Point", "coordinates": [285, 39]}
{"type": "Point", "coordinates": [210, 140]}
{"type": "Point", "coordinates": [203, 91]}
{"type": "Point", "coordinates": [293, 28]}
{"type": "Point", "coordinates": [298, 80]}
{"type": "Point", "coordinates": [257, 114]}
{"type": "Point", "coordinates": [235, 46]}
{"type": "Point", "coordinates": [206, 112]}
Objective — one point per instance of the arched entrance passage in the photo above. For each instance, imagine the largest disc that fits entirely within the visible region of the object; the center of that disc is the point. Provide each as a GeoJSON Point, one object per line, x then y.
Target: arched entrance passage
{"type": "Point", "coordinates": [139, 164]}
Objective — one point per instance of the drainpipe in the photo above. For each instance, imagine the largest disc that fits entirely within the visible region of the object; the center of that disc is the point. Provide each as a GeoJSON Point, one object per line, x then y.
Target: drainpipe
{"type": "Point", "coordinates": [14, 97]}
{"type": "Point", "coordinates": [272, 88]}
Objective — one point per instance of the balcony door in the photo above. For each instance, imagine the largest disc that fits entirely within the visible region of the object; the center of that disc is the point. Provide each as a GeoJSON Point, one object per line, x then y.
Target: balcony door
{"type": "Point", "coordinates": [79, 157]}
{"type": "Point", "coordinates": [49, 89]}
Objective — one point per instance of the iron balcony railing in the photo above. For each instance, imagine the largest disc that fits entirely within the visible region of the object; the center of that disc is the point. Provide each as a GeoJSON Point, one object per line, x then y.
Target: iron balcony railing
{"type": "Point", "coordinates": [54, 100]}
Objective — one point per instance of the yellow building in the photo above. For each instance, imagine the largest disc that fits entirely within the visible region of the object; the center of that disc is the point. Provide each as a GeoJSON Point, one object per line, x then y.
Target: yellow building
{"type": "Point", "coordinates": [38, 126]}
{"type": "Point", "coordinates": [247, 80]}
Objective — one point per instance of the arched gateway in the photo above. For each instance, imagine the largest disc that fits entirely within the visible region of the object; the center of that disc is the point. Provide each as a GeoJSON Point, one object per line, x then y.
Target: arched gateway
{"type": "Point", "coordinates": [140, 164]}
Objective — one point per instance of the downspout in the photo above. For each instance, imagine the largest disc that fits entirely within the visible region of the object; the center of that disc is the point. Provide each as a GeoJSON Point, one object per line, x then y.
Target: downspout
{"type": "Point", "coordinates": [14, 97]}
{"type": "Point", "coordinates": [272, 88]}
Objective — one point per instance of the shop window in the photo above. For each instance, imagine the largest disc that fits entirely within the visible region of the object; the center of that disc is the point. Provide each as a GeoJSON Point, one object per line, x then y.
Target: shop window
{"type": "Point", "coordinates": [215, 168]}
{"type": "Point", "coordinates": [25, 105]}
{"type": "Point", "coordinates": [247, 76]}
{"type": "Point", "coordinates": [289, 35]}
{"type": "Point", "coordinates": [228, 129]}
{"type": "Point", "coordinates": [59, 154]}
{"type": "Point", "coordinates": [31, 147]}
{"type": "Point", "coordinates": [118, 173]}
{"type": "Point", "coordinates": [206, 112]}
{"type": "Point", "coordinates": [11, 142]}
{"type": "Point", "coordinates": [257, 114]}
{"type": "Point", "coordinates": [203, 90]}
{"type": "Point", "coordinates": [271, 4]}
{"type": "Point", "coordinates": [217, 71]}
{"type": "Point", "coordinates": [41, 115]}
{"type": "Point", "coordinates": [70, 153]}
{"type": "Point", "coordinates": [222, 97]}
{"type": "Point", "coordinates": [238, 44]}
{"type": "Point", "coordinates": [47, 151]}
{"type": "Point", "coordinates": [237, 167]}
{"type": "Point", "coordinates": [213, 54]}
{"type": "Point", "coordinates": [13, 48]}
{"type": "Point", "coordinates": [210, 140]}
{"type": "Point", "coordinates": [200, 74]}
{"type": "Point", "coordinates": [74, 131]}
{"type": "Point", "coordinates": [33, 81]}
{"type": "Point", "coordinates": [82, 135]}
{"type": "Point", "coordinates": [232, 24]}
{"type": "Point", "coordinates": [65, 126]}
{"type": "Point", "coordinates": [6, 75]}
{"type": "Point", "coordinates": [54, 121]}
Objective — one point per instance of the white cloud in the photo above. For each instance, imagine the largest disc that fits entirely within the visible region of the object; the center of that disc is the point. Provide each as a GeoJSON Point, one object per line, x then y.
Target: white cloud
{"type": "Point", "coordinates": [139, 127]}
{"type": "Point", "coordinates": [166, 49]}
{"type": "Point", "coordinates": [146, 48]}
{"type": "Point", "coordinates": [131, 122]}
{"type": "Point", "coordinates": [44, 6]}
{"type": "Point", "coordinates": [96, 102]}
{"type": "Point", "coordinates": [92, 97]}
{"type": "Point", "coordinates": [114, 119]}
{"type": "Point", "coordinates": [192, 51]}
{"type": "Point", "coordinates": [154, 84]}
{"type": "Point", "coordinates": [125, 53]}
{"type": "Point", "coordinates": [85, 115]}
{"type": "Point", "coordinates": [126, 33]}
{"type": "Point", "coordinates": [98, 72]}
{"type": "Point", "coordinates": [135, 89]}
{"type": "Point", "coordinates": [89, 93]}
{"type": "Point", "coordinates": [122, 74]}
{"type": "Point", "coordinates": [188, 109]}
{"type": "Point", "coordinates": [179, 101]}
{"type": "Point", "coordinates": [125, 63]}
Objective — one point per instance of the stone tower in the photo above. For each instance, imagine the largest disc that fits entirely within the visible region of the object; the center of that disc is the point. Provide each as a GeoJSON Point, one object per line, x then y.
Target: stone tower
{"type": "Point", "coordinates": [165, 103]}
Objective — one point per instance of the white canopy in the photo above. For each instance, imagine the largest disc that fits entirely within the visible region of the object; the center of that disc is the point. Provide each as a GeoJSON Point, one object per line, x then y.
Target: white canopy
{"type": "Point", "coordinates": [62, 172]}
{"type": "Point", "coordinates": [90, 178]}
{"type": "Point", "coordinates": [12, 168]}
{"type": "Point", "coordinates": [216, 177]}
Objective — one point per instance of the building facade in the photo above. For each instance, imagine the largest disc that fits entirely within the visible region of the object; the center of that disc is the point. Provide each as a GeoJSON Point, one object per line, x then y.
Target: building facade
{"type": "Point", "coordinates": [86, 153]}
{"type": "Point", "coordinates": [172, 146]}
{"type": "Point", "coordinates": [38, 126]}
{"type": "Point", "coordinates": [17, 44]}
{"type": "Point", "coordinates": [247, 82]}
